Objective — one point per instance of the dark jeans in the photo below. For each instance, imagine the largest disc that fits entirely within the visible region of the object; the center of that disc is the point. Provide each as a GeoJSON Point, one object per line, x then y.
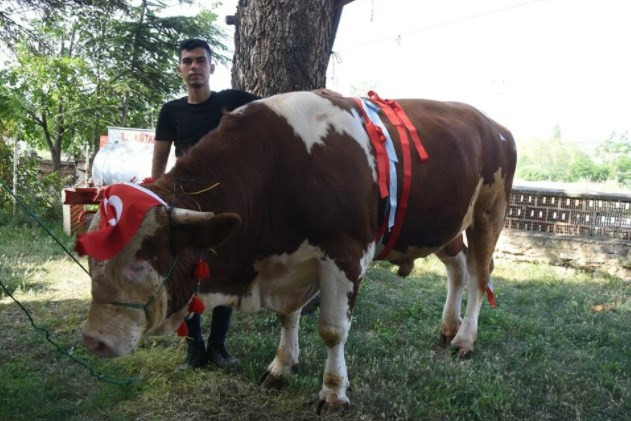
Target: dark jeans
{"type": "Point", "coordinates": [218, 326]}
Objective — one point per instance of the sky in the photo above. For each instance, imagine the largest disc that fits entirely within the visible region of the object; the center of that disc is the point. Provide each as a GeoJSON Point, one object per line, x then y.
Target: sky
{"type": "Point", "coordinates": [531, 65]}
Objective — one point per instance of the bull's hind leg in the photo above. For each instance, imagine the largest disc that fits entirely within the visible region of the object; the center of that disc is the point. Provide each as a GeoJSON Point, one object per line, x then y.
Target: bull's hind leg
{"type": "Point", "coordinates": [482, 237]}
{"type": "Point", "coordinates": [454, 257]}
{"type": "Point", "coordinates": [286, 354]}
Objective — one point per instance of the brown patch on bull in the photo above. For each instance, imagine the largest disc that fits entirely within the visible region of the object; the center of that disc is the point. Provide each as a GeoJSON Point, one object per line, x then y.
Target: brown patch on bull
{"type": "Point", "coordinates": [272, 269]}
{"type": "Point", "coordinates": [332, 381]}
{"type": "Point", "coordinates": [330, 335]}
{"type": "Point", "coordinates": [405, 267]}
{"type": "Point", "coordinates": [456, 246]}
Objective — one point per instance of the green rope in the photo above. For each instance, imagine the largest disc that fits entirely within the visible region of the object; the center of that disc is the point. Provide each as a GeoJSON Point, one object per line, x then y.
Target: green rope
{"type": "Point", "coordinates": [62, 351]}
{"type": "Point", "coordinates": [98, 376]}
{"type": "Point", "coordinates": [26, 208]}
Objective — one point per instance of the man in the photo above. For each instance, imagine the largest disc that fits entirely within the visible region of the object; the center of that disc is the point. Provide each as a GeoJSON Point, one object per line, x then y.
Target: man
{"type": "Point", "coordinates": [184, 122]}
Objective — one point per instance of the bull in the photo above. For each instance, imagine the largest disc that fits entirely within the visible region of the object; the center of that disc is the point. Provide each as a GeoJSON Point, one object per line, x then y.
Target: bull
{"type": "Point", "coordinates": [284, 200]}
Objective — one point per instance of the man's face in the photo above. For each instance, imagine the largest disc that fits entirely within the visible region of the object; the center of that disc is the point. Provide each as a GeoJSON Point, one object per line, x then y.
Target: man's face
{"type": "Point", "coordinates": [195, 67]}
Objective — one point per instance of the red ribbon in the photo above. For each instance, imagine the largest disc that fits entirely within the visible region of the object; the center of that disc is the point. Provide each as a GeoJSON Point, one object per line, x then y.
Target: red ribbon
{"type": "Point", "coordinates": [182, 329]}
{"type": "Point", "coordinates": [378, 139]}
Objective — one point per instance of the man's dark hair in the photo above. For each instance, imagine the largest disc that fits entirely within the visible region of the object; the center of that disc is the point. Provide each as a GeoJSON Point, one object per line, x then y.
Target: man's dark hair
{"type": "Point", "coordinates": [193, 43]}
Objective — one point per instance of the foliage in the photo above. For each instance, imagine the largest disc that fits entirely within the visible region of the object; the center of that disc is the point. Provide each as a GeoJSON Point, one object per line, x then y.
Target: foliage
{"type": "Point", "coordinates": [41, 193]}
{"type": "Point", "coordinates": [87, 65]}
{"type": "Point", "coordinates": [543, 353]}
{"type": "Point", "coordinates": [554, 160]}
{"type": "Point", "coordinates": [616, 153]}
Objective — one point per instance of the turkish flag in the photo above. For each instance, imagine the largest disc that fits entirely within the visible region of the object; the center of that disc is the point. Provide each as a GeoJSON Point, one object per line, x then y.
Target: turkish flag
{"type": "Point", "coordinates": [122, 209]}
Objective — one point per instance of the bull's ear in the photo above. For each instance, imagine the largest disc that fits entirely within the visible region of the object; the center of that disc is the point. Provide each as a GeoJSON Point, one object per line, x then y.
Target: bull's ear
{"type": "Point", "coordinates": [213, 232]}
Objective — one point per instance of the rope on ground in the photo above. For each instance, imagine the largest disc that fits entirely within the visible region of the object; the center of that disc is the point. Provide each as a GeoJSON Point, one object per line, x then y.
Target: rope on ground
{"type": "Point", "coordinates": [39, 221]}
{"type": "Point", "coordinates": [98, 376]}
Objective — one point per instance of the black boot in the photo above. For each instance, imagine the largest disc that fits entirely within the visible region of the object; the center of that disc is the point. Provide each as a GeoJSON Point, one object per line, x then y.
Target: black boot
{"type": "Point", "coordinates": [195, 356]}
{"type": "Point", "coordinates": [219, 356]}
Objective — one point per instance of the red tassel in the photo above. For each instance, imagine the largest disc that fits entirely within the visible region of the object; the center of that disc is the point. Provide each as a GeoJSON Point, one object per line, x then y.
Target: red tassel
{"type": "Point", "coordinates": [201, 270]}
{"type": "Point", "coordinates": [148, 180]}
{"type": "Point", "coordinates": [196, 306]}
{"type": "Point", "coordinates": [491, 297]}
{"type": "Point", "coordinates": [182, 329]}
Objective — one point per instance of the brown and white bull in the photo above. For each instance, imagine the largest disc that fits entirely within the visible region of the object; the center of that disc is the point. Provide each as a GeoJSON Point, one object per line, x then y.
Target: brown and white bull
{"type": "Point", "coordinates": [296, 210]}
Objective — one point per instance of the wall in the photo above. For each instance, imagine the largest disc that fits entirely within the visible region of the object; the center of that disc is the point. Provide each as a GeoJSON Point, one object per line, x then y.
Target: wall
{"type": "Point", "coordinates": [612, 256]}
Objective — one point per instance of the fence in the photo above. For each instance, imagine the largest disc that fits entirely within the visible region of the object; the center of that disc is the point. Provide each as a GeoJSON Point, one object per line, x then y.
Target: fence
{"type": "Point", "coordinates": [560, 211]}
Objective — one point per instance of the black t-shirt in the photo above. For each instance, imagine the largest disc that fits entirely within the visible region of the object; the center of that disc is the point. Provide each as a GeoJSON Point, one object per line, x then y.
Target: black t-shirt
{"type": "Point", "coordinates": [185, 123]}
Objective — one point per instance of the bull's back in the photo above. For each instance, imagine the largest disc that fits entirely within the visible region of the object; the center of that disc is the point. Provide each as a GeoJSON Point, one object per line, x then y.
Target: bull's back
{"type": "Point", "coordinates": [469, 157]}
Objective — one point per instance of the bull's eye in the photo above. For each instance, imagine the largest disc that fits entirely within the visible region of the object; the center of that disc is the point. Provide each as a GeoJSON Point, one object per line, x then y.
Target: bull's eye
{"type": "Point", "coordinates": [137, 270]}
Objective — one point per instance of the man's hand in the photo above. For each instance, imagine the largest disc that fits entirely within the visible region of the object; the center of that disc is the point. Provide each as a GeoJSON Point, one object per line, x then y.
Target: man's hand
{"type": "Point", "coordinates": [161, 149]}
{"type": "Point", "coordinates": [328, 92]}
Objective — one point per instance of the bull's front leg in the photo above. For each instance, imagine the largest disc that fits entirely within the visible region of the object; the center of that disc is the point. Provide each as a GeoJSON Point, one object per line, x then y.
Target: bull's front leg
{"type": "Point", "coordinates": [287, 353]}
{"type": "Point", "coordinates": [334, 324]}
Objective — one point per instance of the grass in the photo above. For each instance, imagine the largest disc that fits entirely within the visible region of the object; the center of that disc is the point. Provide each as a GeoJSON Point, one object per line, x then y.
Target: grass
{"type": "Point", "coordinates": [546, 352]}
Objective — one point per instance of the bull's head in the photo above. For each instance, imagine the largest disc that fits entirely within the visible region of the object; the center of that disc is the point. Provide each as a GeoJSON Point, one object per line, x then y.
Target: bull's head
{"type": "Point", "coordinates": [146, 286]}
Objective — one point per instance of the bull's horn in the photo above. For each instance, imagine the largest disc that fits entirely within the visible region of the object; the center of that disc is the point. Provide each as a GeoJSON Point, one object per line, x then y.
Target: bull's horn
{"type": "Point", "coordinates": [187, 216]}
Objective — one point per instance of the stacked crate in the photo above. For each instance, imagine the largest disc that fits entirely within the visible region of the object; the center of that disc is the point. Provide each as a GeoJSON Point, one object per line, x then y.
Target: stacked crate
{"type": "Point", "coordinates": [566, 212]}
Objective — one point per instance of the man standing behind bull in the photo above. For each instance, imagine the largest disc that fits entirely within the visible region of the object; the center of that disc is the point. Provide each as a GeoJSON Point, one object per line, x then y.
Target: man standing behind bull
{"type": "Point", "coordinates": [184, 122]}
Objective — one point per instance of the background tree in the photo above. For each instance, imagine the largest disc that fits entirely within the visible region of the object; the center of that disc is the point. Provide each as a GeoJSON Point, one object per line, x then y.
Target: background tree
{"type": "Point", "coordinates": [97, 64]}
{"type": "Point", "coordinates": [283, 46]}
{"type": "Point", "coordinates": [615, 152]}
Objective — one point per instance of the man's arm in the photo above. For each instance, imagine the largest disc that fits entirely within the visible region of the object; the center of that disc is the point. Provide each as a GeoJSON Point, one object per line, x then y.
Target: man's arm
{"type": "Point", "coordinates": [161, 149]}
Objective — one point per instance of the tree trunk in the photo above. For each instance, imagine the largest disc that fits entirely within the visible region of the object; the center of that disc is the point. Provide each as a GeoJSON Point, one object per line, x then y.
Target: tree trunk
{"type": "Point", "coordinates": [133, 62]}
{"type": "Point", "coordinates": [16, 156]}
{"type": "Point", "coordinates": [282, 45]}
{"type": "Point", "coordinates": [59, 133]}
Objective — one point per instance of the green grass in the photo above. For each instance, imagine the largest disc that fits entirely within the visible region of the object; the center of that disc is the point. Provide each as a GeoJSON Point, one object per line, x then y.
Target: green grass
{"type": "Point", "coordinates": [543, 353]}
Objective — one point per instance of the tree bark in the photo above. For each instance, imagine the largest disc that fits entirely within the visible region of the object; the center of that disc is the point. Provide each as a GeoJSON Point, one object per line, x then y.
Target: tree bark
{"type": "Point", "coordinates": [282, 45]}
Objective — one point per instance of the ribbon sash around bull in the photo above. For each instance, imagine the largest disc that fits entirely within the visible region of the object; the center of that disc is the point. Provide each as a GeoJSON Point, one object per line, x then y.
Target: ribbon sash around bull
{"type": "Point", "coordinates": [307, 190]}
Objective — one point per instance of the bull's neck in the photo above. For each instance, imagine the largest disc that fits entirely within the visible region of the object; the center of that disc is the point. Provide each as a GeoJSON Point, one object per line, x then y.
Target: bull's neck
{"type": "Point", "coordinates": [223, 172]}
{"type": "Point", "coordinates": [227, 171]}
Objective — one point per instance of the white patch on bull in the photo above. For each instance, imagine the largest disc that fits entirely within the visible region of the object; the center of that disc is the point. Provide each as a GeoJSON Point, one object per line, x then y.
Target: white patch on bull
{"type": "Point", "coordinates": [288, 349]}
{"type": "Point", "coordinates": [334, 324]}
{"type": "Point", "coordinates": [312, 117]}
{"type": "Point", "coordinates": [468, 218]}
{"type": "Point", "coordinates": [283, 284]}
{"type": "Point", "coordinates": [366, 259]}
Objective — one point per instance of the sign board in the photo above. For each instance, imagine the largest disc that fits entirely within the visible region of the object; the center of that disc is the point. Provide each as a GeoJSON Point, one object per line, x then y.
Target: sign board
{"type": "Point", "coordinates": [126, 134]}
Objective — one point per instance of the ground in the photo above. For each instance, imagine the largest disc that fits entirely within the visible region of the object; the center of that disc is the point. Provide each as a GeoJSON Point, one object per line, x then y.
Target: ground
{"type": "Point", "coordinates": [555, 347]}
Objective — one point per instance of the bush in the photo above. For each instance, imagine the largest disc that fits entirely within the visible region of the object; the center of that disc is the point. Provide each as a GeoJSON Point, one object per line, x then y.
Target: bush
{"type": "Point", "coordinates": [41, 193]}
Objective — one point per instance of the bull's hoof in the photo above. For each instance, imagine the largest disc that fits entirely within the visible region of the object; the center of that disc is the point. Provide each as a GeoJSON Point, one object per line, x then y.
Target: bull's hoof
{"type": "Point", "coordinates": [464, 353]}
{"type": "Point", "coordinates": [445, 340]}
{"type": "Point", "coordinates": [405, 268]}
{"type": "Point", "coordinates": [269, 381]}
{"type": "Point", "coordinates": [335, 408]}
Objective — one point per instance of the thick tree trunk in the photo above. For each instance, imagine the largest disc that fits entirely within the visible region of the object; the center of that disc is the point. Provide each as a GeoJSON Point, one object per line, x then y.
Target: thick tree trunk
{"type": "Point", "coordinates": [282, 45]}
